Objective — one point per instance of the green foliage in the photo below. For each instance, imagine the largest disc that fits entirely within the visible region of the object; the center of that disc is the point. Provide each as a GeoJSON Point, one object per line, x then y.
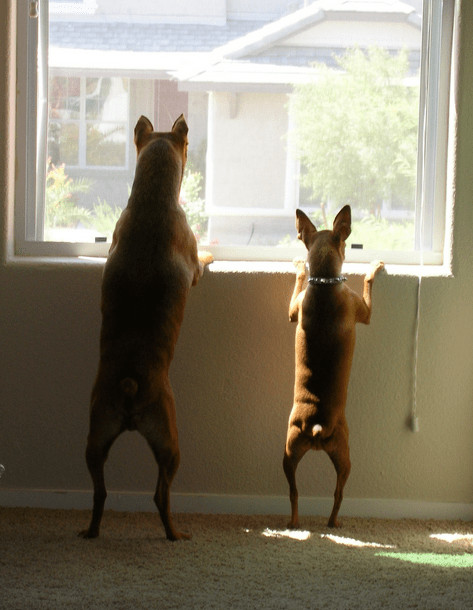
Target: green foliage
{"type": "Point", "coordinates": [104, 218]}
{"type": "Point", "coordinates": [373, 232]}
{"type": "Point", "coordinates": [193, 204]}
{"type": "Point", "coordinates": [357, 131]}
{"type": "Point", "coordinates": [380, 234]}
{"type": "Point", "coordinates": [61, 209]}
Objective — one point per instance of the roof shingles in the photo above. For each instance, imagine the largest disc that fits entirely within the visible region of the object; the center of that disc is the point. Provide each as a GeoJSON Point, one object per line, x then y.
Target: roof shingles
{"type": "Point", "coordinates": [154, 37]}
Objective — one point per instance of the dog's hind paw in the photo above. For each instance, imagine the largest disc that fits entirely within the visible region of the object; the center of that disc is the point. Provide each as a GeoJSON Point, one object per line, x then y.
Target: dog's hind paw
{"type": "Point", "coordinates": [293, 525]}
{"type": "Point", "coordinates": [334, 524]}
{"type": "Point", "coordinates": [178, 536]}
{"type": "Point", "coordinates": [87, 534]}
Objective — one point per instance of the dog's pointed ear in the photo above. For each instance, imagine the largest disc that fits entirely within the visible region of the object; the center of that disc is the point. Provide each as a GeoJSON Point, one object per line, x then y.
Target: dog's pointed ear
{"type": "Point", "coordinates": [180, 126]}
{"type": "Point", "coordinates": [306, 231]}
{"type": "Point", "coordinates": [342, 223]}
{"type": "Point", "coordinates": [143, 129]}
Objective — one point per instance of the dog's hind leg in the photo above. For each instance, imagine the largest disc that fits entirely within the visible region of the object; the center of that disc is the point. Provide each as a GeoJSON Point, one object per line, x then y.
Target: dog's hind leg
{"type": "Point", "coordinates": [168, 463]}
{"type": "Point", "coordinates": [296, 447]}
{"type": "Point", "coordinates": [160, 430]}
{"type": "Point", "coordinates": [339, 452]}
{"type": "Point", "coordinates": [101, 438]}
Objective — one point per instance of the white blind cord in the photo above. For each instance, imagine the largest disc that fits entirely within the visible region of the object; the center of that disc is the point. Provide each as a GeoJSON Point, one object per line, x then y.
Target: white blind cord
{"type": "Point", "coordinates": [427, 20]}
{"type": "Point", "coordinates": [414, 420]}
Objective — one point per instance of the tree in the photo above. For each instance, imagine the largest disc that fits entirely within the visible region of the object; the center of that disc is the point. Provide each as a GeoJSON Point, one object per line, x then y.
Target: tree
{"type": "Point", "coordinates": [356, 131]}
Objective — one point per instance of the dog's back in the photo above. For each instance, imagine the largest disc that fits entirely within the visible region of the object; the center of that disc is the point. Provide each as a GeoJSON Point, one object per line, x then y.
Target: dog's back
{"type": "Point", "coordinates": [325, 341]}
{"type": "Point", "coordinates": [152, 261]}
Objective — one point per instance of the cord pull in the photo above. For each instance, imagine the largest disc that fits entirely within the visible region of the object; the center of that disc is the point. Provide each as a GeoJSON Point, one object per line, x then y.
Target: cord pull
{"type": "Point", "coordinates": [415, 423]}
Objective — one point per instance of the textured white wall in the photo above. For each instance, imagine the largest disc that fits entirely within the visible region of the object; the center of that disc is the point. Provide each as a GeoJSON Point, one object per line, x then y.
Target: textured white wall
{"type": "Point", "coordinates": [233, 370]}
{"type": "Point", "coordinates": [241, 166]}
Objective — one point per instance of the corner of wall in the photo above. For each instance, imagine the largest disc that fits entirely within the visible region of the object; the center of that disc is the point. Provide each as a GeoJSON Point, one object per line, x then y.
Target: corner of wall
{"type": "Point", "coordinates": [7, 125]}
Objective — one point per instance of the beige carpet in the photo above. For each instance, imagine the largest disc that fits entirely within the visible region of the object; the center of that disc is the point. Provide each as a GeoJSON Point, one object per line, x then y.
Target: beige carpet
{"type": "Point", "coordinates": [231, 562]}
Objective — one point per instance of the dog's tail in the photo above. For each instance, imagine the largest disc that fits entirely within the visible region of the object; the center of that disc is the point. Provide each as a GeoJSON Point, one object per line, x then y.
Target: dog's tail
{"type": "Point", "coordinates": [313, 431]}
{"type": "Point", "coordinates": [316, 433]}
{"type": "Point", "coordinates": [129, 387]}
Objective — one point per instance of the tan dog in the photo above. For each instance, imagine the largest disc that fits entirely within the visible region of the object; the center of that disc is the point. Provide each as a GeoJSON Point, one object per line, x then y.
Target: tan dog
{"type": "Point", "coordinates": [153, 262]}
{"type": "Point", "coordinates": [326, 313]}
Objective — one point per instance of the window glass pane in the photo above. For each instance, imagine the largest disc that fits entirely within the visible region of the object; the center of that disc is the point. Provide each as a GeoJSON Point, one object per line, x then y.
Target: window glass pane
{"type": "Point", "coordinates": [77, 197]}
{"type": "Point", "coordinates": [356, 127]}
{"type": "Point", "coordinates": [289, 104]}
{"type": "Point", "coordinates": [64, 98]}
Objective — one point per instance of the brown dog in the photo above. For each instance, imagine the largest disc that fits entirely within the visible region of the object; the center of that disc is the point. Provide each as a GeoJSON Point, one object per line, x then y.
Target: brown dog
{"type": "Point", "coordinates": [153, 262]}
{"type": "Point", "coordinates": [326, 313]}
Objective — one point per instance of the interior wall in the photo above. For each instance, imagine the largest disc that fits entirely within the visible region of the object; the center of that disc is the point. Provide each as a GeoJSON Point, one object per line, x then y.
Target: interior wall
{"type": "Point", "coordinates": [234, 365]}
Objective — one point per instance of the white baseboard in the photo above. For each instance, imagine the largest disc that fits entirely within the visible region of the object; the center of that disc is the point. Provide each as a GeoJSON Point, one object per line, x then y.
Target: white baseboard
{"type": "Point", "coordinates": [244, 505]}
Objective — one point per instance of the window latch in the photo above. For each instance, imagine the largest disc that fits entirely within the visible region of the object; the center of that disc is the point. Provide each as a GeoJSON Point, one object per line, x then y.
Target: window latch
{"type": "Point", "coordinates": [34, 9]}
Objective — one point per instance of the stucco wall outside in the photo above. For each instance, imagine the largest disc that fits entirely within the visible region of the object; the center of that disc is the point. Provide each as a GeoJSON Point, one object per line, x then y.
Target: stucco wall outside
{"type": "Point", "coordinates": [233, 369]}
{"type": "Point", "coordinates": [241, 166]}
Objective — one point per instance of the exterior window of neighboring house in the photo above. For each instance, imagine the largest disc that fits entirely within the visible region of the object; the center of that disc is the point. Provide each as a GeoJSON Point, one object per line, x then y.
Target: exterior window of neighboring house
{"type": "Point", "coordinates": [289, 104]}
{"type": "Point", "coordinates": [88, 121]}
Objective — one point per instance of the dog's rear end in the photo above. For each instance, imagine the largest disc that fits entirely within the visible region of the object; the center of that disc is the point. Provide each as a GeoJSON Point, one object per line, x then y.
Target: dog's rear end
{"type": "Point", "coordinates": [153, 262]}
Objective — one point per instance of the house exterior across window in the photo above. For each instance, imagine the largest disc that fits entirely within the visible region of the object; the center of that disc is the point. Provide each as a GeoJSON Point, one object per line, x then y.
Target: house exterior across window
{"type": "Point", "coordinates": [231, 67]}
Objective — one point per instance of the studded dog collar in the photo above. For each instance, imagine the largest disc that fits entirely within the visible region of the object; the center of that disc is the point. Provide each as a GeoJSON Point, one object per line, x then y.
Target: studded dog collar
{"type": "Point", "coordinates": [327, 280]}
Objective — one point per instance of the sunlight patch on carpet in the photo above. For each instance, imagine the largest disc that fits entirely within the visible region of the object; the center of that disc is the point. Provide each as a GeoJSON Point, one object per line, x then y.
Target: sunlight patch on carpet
{"type": "Point", "coordinates": [356, 543]}
{"type": "Point", "coordinates": [468, 538]}
{"type": "Point", "coordinates": [432, 559]}
{"type": "Point", "coordinates": [292, 534]}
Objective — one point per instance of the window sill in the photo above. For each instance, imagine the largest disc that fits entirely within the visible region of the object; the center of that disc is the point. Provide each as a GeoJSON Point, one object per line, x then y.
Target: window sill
{"type": "Point", "coordinates": [241, 267]}
{"type": "Point", "coordinates": [349, 269]}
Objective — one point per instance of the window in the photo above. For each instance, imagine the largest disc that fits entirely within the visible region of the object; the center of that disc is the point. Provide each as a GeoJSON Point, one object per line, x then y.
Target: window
{"type": "Point", "coordinates": [88, 120]}
{"type": "Point", "coordinates": [293, 106]}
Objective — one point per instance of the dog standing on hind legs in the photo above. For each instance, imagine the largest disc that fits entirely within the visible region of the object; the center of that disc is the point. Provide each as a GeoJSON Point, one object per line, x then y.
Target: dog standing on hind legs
{"type": "Point", "coordinates": [153, 262]}
{"type": "Point", "coordinates": [326, 312]}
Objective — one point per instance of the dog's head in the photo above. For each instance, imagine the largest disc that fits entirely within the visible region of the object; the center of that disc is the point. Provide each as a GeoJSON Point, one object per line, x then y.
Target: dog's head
{"type": "Point", "coordinates": [177, 137]}
{"type": "Point", "coordinates": [326, 249]}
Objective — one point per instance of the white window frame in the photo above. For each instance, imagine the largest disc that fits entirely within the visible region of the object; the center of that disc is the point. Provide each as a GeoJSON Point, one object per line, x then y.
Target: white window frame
{"type": "Point", "coordinates": [432, 150]}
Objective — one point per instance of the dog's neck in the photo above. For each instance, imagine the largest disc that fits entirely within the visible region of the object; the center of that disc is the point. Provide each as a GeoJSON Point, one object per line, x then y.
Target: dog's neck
{"type": "Point", "coordinates": [316, 280]}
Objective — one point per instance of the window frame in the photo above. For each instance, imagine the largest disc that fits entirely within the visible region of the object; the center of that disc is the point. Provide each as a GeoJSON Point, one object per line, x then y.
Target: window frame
{"type": "Point", "coordinates": [433, 147]}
